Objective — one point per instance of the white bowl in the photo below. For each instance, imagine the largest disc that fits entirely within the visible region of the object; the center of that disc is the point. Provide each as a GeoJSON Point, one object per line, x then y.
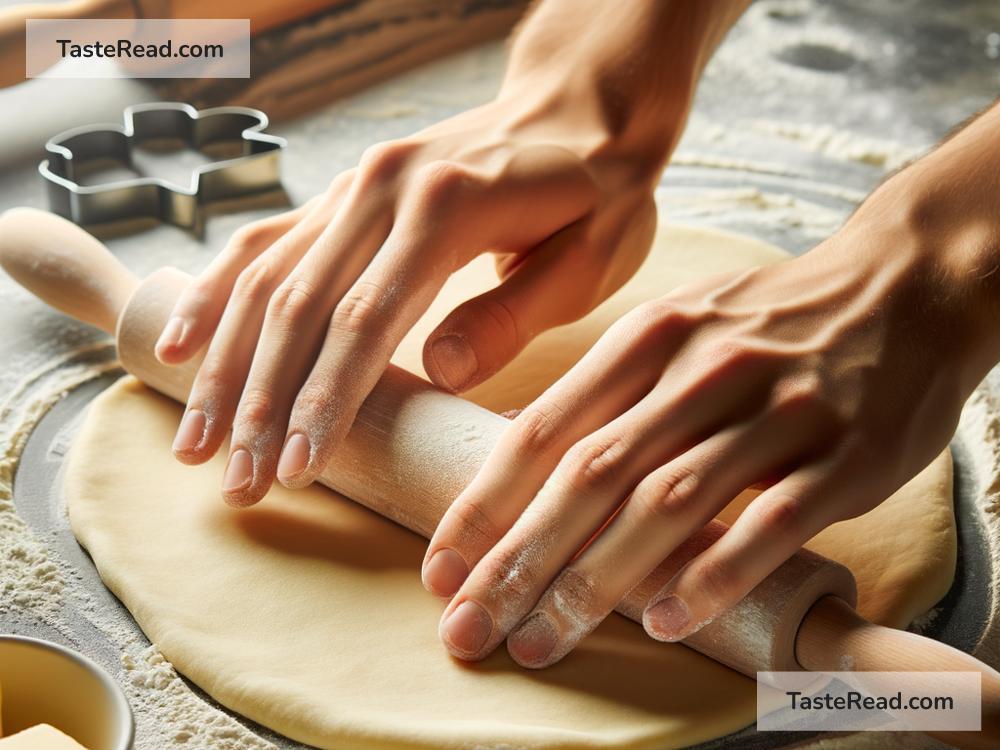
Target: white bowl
{"type": "Point", "coordinates": [45, 683]}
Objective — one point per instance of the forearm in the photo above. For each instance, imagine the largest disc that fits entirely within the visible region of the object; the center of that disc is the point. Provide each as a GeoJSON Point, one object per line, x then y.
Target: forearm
{"type": "Point", "coordinates": [629, 67]}
{"type": "Point", "coordinates": [944, 211]}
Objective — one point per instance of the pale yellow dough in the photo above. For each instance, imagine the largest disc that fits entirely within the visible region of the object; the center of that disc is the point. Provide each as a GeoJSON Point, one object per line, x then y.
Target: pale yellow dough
{"type": "Point", "coordinates": [306, 613]}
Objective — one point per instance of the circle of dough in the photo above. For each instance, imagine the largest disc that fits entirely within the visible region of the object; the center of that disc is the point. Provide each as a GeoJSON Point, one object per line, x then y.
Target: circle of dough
{"type": "Point", "coordinates": [306, 614]}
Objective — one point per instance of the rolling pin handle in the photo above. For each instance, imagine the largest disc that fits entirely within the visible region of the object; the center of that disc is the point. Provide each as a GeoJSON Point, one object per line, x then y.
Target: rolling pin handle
{"type": "Point", "coordinates": [64, 266]}
{"type": "Point", "coordinates": [12, 27]}
{"type": "Point", "coordinates": [835, 638]}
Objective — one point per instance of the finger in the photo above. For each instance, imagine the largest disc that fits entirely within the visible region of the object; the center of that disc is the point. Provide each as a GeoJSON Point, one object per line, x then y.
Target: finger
{"type": "Point", "coordinates": [197, 312]}
{"type": "Point", "coordinates": [221, 376]}
{"type": "Point", "coordinates": [433, 236]}
{"type": "Point", "coordinates": [769, 531]}
{"type": "Point", "coordinates": [378, 304]}
{"type": "Point", "coordinates": [559, 281]}
{"type": "Point", "coordinates": [666, 507]}
{"type": "Point", "coordinates": [623, 367]}
{"type": "Point", "coordinates": [588, 486]}
{"type": "Point", "coordinates": [483, 334]}
{"type": "Point", "coordinates": [291, 336]}
{"type": "Point", "coordinates": [614, 375]}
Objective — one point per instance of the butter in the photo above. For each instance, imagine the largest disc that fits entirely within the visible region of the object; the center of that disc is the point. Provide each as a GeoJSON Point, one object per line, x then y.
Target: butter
{"type": "Point", "coordinates": [41, 737]}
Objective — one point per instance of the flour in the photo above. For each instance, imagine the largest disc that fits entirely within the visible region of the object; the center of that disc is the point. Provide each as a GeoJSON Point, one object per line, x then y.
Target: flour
{"type": "Point", "coordinates": [761, 207]}
{"type": "Point", "coordinates": [841, 144]}
{"type": "Point", "coordinates": [36, 584]}
{"type": "Point", "coordinates": [155, 690]}
{"type": "Point", "coordinates": [980, 428]}
{"type": "Point", "coordinates": [29, 580]}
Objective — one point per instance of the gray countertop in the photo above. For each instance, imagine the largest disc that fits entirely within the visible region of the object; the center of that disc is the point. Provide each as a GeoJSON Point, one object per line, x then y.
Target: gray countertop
{"type": "Point", "coordinates": [804, 99]}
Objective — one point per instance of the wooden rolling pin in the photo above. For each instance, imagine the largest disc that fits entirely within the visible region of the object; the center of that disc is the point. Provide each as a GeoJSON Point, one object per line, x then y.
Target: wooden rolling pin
{"type": "Point", "coordinates": [413, 448]}
{"type": "Point", "coordinates": [263, 15]}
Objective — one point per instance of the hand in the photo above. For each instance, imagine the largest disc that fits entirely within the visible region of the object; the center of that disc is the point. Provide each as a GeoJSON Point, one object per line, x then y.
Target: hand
{"type": "Point", "coordinates": [834, 378]}
{"type": "Point", "coordinates": [305, 309]}
{"type": "Point", "coordinates": [555, 177]}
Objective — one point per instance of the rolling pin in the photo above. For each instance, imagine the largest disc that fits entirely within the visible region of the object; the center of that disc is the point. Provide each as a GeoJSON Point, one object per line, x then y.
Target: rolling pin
{"type": "Point", "coordinates": [413, 448]}
{"type": "Point", "coordinates": [263, 15]}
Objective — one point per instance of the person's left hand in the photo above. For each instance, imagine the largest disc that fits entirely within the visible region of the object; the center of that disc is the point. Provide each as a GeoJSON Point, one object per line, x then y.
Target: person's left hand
{"type": "Point", "coordinates": [835, 377]}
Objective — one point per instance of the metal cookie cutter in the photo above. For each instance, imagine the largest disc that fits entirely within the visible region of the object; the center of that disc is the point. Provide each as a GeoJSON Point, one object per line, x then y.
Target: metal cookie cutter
{"type": "Point", "coordinates": [254, 170]}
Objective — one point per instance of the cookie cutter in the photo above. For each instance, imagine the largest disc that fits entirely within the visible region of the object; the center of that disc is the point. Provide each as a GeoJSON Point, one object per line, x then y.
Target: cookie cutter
{"type": "Point", "coordinates": [255, 170]}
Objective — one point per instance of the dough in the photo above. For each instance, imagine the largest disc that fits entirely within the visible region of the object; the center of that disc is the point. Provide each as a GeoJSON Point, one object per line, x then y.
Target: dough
{"type": "Point", "coordinates": [306, 613]}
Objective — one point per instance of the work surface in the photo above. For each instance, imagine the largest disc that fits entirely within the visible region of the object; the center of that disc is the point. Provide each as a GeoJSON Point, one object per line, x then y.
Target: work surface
{"type": "Point", "coordinates": [803, 110]}
{"type": "Point", "coordinates": [805, 107]}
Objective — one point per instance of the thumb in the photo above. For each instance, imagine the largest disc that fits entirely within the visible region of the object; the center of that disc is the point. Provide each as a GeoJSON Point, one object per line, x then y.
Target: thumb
{"type": "Point", "coordinates": [554, 285]}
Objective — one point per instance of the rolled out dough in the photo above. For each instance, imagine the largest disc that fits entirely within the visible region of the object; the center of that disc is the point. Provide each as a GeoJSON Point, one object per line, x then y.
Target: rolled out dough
{"type": "Point", "coordinates": [306, 613]}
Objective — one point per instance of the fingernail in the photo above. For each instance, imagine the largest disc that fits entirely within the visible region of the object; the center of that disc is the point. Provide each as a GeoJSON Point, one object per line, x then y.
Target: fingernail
{"type": "Point", "coordinates": [455, 361]}
{"type": "Point", "coordinates": [294, 457]}
{"type": "Point", "coordinates": [173, 333]}
{"type": "Point", "coordinates": [239, 472]}
{"type": "Point", "coordinates": [467, 628]}
{"type": "Point", "coordinates": [445, 572]}
{"type": "Point", "coordinates": [191, 432]}
{"type": "Point", "coordinates": [533, 642]}
{"type": "Point", "coordinates": [668, 619]}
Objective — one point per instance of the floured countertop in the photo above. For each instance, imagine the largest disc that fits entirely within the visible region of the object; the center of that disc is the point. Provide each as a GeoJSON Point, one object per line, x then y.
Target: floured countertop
{"type": "Point", "coordinates": [803, 110]}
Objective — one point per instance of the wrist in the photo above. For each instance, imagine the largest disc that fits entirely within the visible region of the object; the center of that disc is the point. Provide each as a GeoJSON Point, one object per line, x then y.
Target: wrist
{"type": "Point", "coordinates": [948, 247]}
{"type": "Point", "coordinates": [624, 72]}
{"type": "Point", "coordinates": [623, 147]}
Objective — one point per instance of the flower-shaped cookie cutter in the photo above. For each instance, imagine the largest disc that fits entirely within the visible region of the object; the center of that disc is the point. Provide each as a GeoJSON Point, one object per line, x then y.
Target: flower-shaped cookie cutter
{"type": "Point", "coordinates": [255, 170]}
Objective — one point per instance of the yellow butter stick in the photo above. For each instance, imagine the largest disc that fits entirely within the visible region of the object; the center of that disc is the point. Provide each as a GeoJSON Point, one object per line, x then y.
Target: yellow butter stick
{"type": "Point", "coordinates": [40, 737]}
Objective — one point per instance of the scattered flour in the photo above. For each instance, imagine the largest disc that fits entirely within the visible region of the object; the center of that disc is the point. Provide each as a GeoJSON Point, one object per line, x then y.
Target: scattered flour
{"type": "Point", "coordinates": [841, 144]}
{"type": "Point", "coordinates": [36, 585]}
{"type": "Point", "coordinates": [389, 110]}
{"type": "Point", "coordinates": [181, 719]}
{"type": "Point", "coordinates": [980, 428]}
{"type": "Point", "coordinates": [29, 580]}
{"type": "Point", "coordinates": [760, 206]}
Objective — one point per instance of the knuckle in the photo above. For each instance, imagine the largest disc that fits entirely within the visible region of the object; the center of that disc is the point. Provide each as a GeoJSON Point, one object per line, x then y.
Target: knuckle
{"type": "Point", "coordinates": [537, 429]}
{"type": "Point", "coordinates": [312, 399]}
{"type": "Point", "coordinates": [212, 380]}
{"type": "Point", "coordinates": [510, 576]}
{"type": "Point", "coordinates": [339, 184]}
{"type": "Point", "coordinates": [717, 581]}
{"type": "Point", "coordinates": [782, 514]}
{"type": "Point", "coordinates": [382, 162]}
{"type": "Point", "coordinates": [245, 239]}
{"type": "Point", "coordinates": [669, 493]}
{"type": "Point", "coordinates": [727, 353]}
{"type": "Point", "coordinates": [805, 391]}
{"type": "Point", "coordinates": [593, 464]}
{"type": "Point", "coordinates": [440, 181]}
{"type": "Point", "coordinates": [314, 405]}
{"type": "Point", "coordinates": [475, 523]}
{"type": "Point", "coordinates": [575, 591]}
{"type": "Point", "coordinates": [256, 281]}
{"type": "Point", "coordinates": [198, 295]}
{"type": "Point", "coordinates": [359, 308]}
{"type": "Point", "coordinates": [657, 320]}
{"type": "Point", "coordinates": [727, 358]}
{"type": "Point", "coordinates": [293, 300]}
{"type": "Point", "coordinates": [657, 313]}
{"type": "Point", "coordinates": [257, 408]}
{"type": "Point", "coordinates": [495, 314]}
